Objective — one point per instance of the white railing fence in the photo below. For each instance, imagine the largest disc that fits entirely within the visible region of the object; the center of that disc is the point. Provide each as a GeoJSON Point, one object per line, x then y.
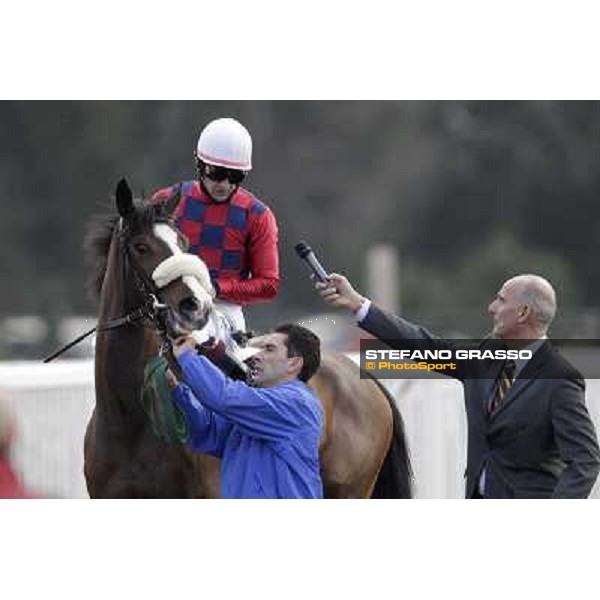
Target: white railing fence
{"type": "Point", "coordinates": [53, 404]}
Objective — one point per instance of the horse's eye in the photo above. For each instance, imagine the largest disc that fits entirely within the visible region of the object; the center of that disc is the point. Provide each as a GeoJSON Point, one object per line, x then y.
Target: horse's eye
{"type": "Point", "coordinates": [141, 248]}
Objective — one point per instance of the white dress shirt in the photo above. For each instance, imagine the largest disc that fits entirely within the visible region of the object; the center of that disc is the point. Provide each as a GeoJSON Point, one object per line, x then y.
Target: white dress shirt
{"type": "Point", "coordinates": [361, 313]}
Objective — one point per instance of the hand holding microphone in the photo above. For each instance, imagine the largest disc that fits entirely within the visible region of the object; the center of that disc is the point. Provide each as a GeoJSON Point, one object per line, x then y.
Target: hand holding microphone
{"type": "Point", "coordinates": [335, 289]}
{"type": "Point", "coordinates": [305, 252]}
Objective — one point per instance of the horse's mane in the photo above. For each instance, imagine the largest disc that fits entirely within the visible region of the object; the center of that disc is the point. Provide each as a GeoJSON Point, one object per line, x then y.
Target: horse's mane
{"type": "Point", "coordinates": [98, 237]}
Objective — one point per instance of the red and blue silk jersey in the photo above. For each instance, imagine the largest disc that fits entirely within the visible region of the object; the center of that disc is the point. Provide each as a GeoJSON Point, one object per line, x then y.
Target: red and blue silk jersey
{"type": "Point", "coordinates": [236, 239]}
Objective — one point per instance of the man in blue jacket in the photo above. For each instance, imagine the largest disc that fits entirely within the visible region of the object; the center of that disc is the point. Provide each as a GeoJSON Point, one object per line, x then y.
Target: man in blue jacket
{"type": "Point", "coordinates": [266, 434]}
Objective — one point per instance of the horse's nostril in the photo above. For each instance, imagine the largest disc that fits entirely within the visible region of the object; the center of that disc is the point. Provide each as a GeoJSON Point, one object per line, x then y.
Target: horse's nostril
{"type": "Point", "coordinates": [189, 305]}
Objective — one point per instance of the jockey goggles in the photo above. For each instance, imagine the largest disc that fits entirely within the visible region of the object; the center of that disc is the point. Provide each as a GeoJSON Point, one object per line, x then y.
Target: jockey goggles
{"type": "Point", "coordinates": [218, 174]}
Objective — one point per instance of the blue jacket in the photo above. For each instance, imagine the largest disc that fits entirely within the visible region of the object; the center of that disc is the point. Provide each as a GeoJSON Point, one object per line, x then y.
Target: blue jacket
{"type": "Point", "coordinates": [267, 438]}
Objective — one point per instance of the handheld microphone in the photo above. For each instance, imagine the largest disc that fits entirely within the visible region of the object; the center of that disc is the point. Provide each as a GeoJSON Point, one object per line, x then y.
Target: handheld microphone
{"type": "Point", "coordinates": [305, 252]}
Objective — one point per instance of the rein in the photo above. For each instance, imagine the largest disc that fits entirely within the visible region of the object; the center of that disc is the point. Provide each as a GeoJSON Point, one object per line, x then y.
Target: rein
{"type": "Point", "coordinates": [129, 319]}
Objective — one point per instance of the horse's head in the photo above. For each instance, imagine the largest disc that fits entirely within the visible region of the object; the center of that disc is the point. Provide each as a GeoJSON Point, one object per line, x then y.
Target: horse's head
{"type": "Point", "coordinates": [175, 284]}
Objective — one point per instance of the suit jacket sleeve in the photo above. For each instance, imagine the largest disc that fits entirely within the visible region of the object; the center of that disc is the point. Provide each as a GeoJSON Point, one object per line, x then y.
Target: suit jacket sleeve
{"type": "Point", "coordinates": [576, 439]}
{"type": "Point", "coordinates": [400, 334]}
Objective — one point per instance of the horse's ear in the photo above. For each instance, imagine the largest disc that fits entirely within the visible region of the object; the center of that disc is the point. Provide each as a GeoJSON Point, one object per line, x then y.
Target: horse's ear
{"type": "Point", "coordinates": [124, 199]}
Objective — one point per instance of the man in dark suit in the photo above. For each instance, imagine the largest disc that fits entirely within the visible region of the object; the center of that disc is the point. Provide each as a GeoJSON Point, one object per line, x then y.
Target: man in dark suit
{"type": "Point", "coordinates": [529, 431]}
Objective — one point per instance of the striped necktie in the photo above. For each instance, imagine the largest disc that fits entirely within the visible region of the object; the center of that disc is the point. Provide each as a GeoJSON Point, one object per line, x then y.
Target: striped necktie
{"type": "Point", "coordinates": [505, 380]}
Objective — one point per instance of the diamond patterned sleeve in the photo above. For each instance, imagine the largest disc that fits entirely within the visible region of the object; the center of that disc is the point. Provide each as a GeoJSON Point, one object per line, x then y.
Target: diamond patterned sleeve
{"type": "Point", "coordinates": [263, 261]}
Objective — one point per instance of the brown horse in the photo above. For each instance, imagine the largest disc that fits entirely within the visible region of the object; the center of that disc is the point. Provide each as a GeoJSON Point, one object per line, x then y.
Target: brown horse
{"type": "Point", "coordinates": [363, 447]}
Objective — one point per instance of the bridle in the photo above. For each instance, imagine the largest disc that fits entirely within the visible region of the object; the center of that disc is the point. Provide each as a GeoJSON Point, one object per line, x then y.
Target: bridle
{"type": "Point", "coordinates": [150, 309]}
{"type": "Point", "coordinates": [151, 312]}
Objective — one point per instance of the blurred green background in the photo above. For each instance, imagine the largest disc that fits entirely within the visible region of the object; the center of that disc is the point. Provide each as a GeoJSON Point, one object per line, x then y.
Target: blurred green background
{"type": "Point", "coordinates": [467, 194]}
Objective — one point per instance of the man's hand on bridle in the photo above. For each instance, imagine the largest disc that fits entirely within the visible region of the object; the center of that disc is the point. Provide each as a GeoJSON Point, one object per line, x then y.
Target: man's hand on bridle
{"type": "Point", "coordinates": [182, 344]}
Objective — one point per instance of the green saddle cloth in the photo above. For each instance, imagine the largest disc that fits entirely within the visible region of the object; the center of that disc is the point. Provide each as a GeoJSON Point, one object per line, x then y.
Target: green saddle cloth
{"type": "Point", "coordinates": [166, 419]}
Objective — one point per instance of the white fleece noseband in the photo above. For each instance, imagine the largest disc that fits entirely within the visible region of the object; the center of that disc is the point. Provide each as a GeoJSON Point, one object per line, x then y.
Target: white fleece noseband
{"type": "Point", "coordinates": [190, 268]}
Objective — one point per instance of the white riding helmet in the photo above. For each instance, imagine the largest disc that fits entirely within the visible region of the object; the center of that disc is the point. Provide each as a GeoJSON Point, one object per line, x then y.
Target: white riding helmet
{"type": "Point", "coordinates": [225, 143]}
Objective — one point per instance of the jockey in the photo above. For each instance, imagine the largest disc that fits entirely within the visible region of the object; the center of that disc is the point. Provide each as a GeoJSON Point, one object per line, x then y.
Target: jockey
{"type": "Point", "coordinates": [230, 229]}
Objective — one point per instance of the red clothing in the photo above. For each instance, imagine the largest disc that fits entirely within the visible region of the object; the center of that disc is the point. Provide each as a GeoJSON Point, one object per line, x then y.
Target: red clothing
{"type": "Point", "coordinates": [236, 239]}
{"type": "Point", "coordinates": [10, 484]}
